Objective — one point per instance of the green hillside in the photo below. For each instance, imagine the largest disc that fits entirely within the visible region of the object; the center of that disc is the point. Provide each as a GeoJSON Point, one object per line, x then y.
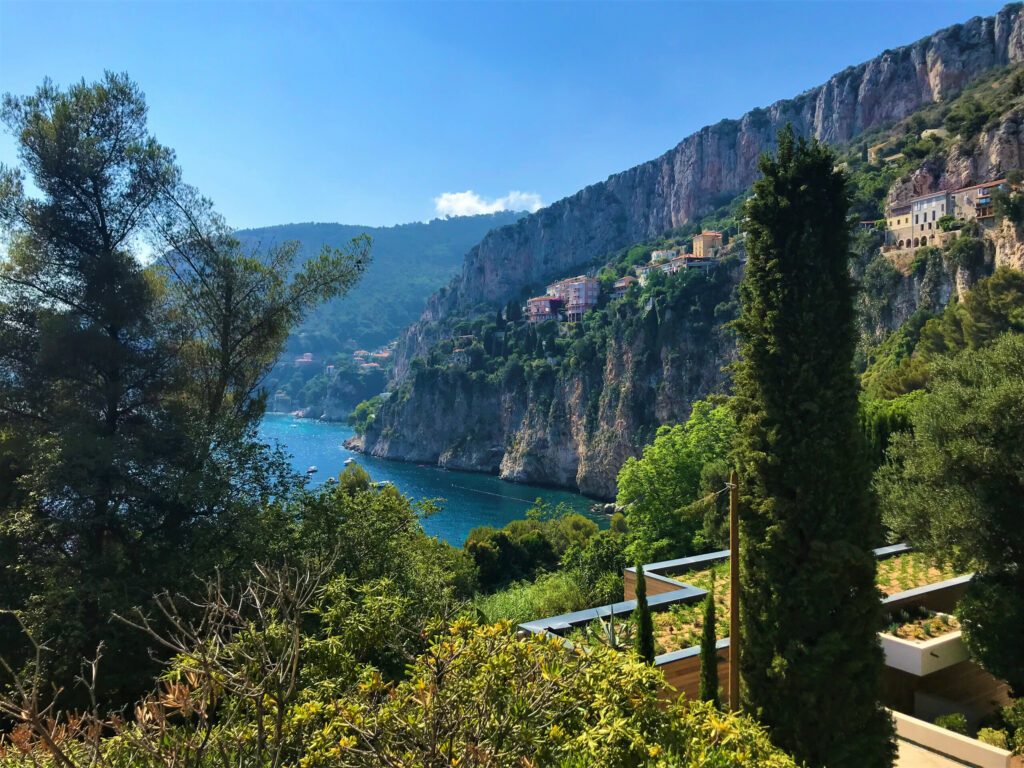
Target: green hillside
{"type": "Point", "coordinates": [410, 261]}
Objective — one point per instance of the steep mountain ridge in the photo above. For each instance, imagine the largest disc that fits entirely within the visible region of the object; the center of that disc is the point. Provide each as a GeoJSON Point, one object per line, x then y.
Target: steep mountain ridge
{"type": "Point", "coordinates": [714, 164]}
{"type": "Point", "coordinates": [410, 261]}
{"type": "Point", "coordinates": [572, 425]}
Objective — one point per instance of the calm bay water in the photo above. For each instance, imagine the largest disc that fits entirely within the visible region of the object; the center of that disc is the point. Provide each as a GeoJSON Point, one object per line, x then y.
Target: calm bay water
{"type": "Point", "coordinates": [469, 499]}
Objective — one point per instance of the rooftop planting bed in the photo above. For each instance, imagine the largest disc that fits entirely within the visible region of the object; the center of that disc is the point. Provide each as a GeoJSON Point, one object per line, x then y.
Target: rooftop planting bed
{"type": "Point", "coordinates": [920, 624]}
{"type": "Point", "coordinates": [909, 571]}
{"type": "Point", "coordinates": [678, 615]}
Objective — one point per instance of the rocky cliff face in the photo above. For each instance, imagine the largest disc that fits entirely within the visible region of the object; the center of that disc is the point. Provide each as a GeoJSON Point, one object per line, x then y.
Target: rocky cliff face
{"type": "Point", "coordinates": [715, 164]}
{"type": "Point", "coordinates": [570, 427]}
{"type": "Point", "coordinates": [989, 156]}
{"type": "Point", "coordinates": [575, 430]}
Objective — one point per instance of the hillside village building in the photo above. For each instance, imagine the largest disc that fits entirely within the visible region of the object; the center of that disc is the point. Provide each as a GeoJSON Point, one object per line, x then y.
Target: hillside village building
{"type": "Point", "coordinates": [541, 308]}
{"type": "Point", "coordinates": [977, 199]}
{"type": "Point", "coordinates": [579, 295]}
{"type": "Point", "coordinates": [707, 244]}
{"type": "Point", "coordinates": [915, 224]}
{"type": "Point", "coordinates": [621, 286]}
{"type": "Point", "coordinates": [928, 209]}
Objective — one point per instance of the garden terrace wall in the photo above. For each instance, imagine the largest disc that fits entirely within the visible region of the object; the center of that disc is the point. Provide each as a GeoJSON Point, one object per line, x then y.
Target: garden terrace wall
{"type": "Point", "coordinates": [682, 667]}
{"type": "Point", "coordinates": [682, 670]}
{"type": "Point", "coordinates": [565, 622]}
{"type": "Point", "coordinates": [963, 687]}
{"type": "Point", "coordinates": [942, 596]}
{"type": "Point", "coordinates": [960, 748]}
{"type": "Point", "coordinates": [659, 576]}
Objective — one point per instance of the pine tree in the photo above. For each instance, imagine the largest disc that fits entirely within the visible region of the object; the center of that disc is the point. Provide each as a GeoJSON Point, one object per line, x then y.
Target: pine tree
{"type": "Point", "coordinates": [708, 653]}
{"type": "Point", "coordinates": [644, 623]}
{"type": "Point", "coordinates": [129, 391]}
{"type": "Point", "coordinates": [811, 661]}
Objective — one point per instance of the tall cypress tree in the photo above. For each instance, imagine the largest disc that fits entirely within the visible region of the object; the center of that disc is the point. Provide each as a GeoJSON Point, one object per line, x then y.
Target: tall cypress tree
{"type": "Point", "coordinates": [644, 622]}
{"type": "Point", "coordinates": [811, 661]}
{"type": "Point", "coordinates": [708, 653]}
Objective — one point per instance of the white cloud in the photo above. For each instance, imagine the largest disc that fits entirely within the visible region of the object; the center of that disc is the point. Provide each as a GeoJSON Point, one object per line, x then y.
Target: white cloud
{"type": "Point", "coordinates": [469, 203]}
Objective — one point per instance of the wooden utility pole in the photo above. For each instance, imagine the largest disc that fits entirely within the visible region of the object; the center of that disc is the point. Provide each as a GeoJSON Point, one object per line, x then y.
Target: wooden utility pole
{"type": "Point", "coordinates": [734, 591]}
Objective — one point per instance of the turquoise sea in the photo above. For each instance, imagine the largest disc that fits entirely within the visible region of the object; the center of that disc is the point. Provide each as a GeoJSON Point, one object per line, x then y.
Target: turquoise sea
{"type": "Point", "coordinates": [467, 499]}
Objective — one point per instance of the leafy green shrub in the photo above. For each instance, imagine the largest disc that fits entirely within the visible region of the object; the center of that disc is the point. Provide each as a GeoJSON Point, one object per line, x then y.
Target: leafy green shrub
{"type": "Point", "coordinates": [655, 488]}
{"type": "Point", "coordinates": [1009, 205]}
{"type": "Point", "coordinates": [1013, 717]}
{"type": "Point", "coordinates": [966, 252]}
{"type": "Point", "coordinates": [524, 548]}
{"type": "Point", "coordinates": [967, 117]}
{"type": "Point", "coordinates": [993, 737]}
{"type": "Point", "coordinates": [551, 594]}
{"type": "Point", "coordinates": [598, 564]}
{"type": "Point", "coordinates": [955, 721]}
{"type": "Point", "coordinates": [364, 413]}
{"type": "Point", "coordinates": [881, 280]}
{"type": "Point", "coordinates": [497, 700]}
{"type": "Point", "coordinates": [921, 259]}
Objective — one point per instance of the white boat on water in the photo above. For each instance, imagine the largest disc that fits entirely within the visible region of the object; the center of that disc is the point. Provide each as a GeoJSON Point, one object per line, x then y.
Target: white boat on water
{"type": "Point", "coordinates": [312, 470]}
{"type": "Point", "coordinates": [348, 461]}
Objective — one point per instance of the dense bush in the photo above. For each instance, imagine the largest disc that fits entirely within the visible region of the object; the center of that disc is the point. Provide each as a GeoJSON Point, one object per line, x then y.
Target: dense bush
{"type": "Point", "coordinates": [902, 364]}
{"type": "Point", "coordinates": [658, 489]}
{"type": "Point", "coordinates": [966, 449]}
{"type": "Point", "coordinates": [574, 565]}
{"type": "Point", "coordinates": [269, 680]}
{"type": "Point", "coordinates": [495, 700]}
{"type": "Point", "coordinates": [550, 594]}
{"type": "Point", "coordinates": [955, 721]}
{"type": "Point", "coordinates": [524, 548]}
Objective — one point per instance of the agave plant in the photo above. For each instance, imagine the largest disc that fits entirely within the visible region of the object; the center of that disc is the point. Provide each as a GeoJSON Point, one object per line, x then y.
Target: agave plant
{"type": "Point", "coordinates": [607, 632]}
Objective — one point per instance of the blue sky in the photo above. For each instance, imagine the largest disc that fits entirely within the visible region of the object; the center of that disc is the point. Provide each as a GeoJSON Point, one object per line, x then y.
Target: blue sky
{"type": "Point", "coordinates": [391, 112]}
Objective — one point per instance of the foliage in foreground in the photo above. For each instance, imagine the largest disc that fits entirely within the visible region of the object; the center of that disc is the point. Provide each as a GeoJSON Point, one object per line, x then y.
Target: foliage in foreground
{"type": "Point", "coordinates": [249, 686]}
{"type": "Point", "coordinates": [497, 700]}
{"type": "Point", "coordinates": [659, 489]}
{"type": "Point", "coordinates": [810, 607]}
{"type": "Point", "coordinates": [130, 392]}
{"type": "Point", "coordinates": [967, 449]}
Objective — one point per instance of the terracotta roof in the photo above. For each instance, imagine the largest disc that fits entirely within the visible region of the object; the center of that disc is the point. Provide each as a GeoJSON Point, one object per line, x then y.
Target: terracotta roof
{"type": "Point", "coordinates": [979, 186]}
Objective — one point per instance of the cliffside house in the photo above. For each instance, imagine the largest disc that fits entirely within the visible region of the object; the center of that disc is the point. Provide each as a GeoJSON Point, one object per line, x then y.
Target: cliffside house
{"type": "Point", "coordinates": [459, 357]}
{"type": "Point", "coordinates": [661, 256]}
{"type": "Point", "coordinates": [621, 286]}
{"type": "Point", "coordinates": [976, 202]}
{"type": "Point", "coordinates": [915, 224]}
{"type": "Point", "coordinates": [707, 244]}
{"type": "Point", "coordinates": [685, 261]}
{"type": "Point", "coordinates": [541, 308]}
{"type": "Point", "coordinates": [579, 295]}
{"type": "Point", "coordinates": [306, 358]}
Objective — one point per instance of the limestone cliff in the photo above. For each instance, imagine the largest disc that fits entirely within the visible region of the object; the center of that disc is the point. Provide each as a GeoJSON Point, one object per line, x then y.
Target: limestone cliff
{"type": "Point", "coordinates": [715, 164]}
{"type": "Point", "coordinates": [575, 428]}
{"type": "Point", "coordinates": [565, 426]}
